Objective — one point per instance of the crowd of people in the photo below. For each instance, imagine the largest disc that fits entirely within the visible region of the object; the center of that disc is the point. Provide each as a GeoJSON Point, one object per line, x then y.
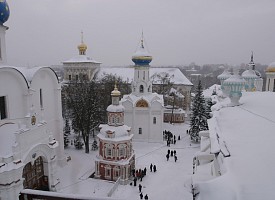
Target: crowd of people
{"type": "Point", "coordinates": [138, 175]}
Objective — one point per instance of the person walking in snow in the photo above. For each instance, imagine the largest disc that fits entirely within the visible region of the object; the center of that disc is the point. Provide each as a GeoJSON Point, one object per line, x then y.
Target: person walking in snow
{"type": "Point", "coordinates": [144, 171]}
{"type": "Point", "coordinates": [135, 181]}
{"type": "Point", "coordinates": [141, 196]}
{"type": "Point", "coordinates": [176, 158]}
{"type": "Point", "coordinates": [168, 151]}
{"type": "Point", "coordinates": [155, 168]}
{"type": "Point", "coordinates": [175, 152]}
{"type": "Point", "coordinates": [167, 156]}
{"type": "Point", "coordinates": [139, 187]}
{"type": "Point", "coordinates": [146, 197]}
{"type": "Point", "coordinates": [151, 167]}
{"type": "Point", "coordinates": [179, 137]}
{"type": "Point", "coordinates": [172, 153]}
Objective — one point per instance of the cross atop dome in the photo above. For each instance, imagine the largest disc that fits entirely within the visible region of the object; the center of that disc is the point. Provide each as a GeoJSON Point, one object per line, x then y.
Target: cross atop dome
{"type": "Point", "coordinates": [82, 47]}
{"type": "Point", "coordinates": [142, 56]}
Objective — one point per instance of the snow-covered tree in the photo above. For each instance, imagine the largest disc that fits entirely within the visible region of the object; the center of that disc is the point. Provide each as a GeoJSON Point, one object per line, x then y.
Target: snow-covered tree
{"type": "Point", "coordinates": [84, 102]}
{"type": "Point", "coordinates": [78, 143]}
{"type": "Point", "coordinates": [198, 115]}
{"type": "Point", "coordinates": [66, 133]}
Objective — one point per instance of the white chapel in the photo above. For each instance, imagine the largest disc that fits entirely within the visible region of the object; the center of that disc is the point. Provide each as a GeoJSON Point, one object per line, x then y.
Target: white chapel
{"type": "Point", "coordinates": [143, 108]}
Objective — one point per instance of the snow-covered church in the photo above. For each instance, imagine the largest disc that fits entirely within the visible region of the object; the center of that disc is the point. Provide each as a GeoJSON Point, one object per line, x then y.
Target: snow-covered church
{"type": "Point", "coordinates": [31, 136]}
{"type": "Point", "coordinates": [143, 108]}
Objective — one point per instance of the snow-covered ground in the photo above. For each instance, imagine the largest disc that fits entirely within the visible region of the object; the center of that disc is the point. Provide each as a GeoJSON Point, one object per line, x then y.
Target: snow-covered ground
{"type": "Point", "coordinates": [167, 183]}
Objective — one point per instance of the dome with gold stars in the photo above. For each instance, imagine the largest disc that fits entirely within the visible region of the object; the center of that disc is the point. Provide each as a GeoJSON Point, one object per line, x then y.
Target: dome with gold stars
{"type": "Point", "coordinates": [142, 56]}
{"type": "Point", "coordinates": [4, 11]}
{"type": "Point", "coordinates": [271, 67]}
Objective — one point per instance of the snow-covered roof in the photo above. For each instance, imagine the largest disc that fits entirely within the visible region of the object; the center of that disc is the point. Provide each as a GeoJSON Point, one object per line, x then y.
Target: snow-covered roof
{"type": "Point", "coordinates": [115, 108]}
{"type": "Point", "coordinates": [150, 98]}
{"type": "Point", "coordinates": [249, 74]}
{"type": "Point", "coordinates": [127, 74]}
{"type": "Point", "coordinates": [248, 133]}
{"type": "Point", "coordinates": [121, 133]}
{"type": "Point", "coordinates": [81, 59]}
{"type": "Point", "coordinates": [27, 72]}
{"type": "Point", "coordinates": [209, 91]}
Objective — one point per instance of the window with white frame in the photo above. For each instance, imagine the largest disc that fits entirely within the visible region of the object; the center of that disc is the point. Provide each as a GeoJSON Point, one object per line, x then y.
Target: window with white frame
{"type": "Point", "coordinates": [121, 151]}
{"type": "Point", "coordinates": [108, 171]}
{"type": "Point", "coordinates": [116, 172]}
{"type": "Point", "coordinates": [108, 150]}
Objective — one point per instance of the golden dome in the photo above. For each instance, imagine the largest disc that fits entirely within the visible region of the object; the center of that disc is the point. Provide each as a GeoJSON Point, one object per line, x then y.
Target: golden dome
{"type": "Point", "coordinates": [82, 47]}
{"type": "Point", "coordinates": [115, 92]}
{"type": "Point", "coordinates": [271, 67]}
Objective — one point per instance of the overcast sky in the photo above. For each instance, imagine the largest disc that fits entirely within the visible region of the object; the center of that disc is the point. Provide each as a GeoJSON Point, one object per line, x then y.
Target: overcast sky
{"type": "Point", "coordinates": [177, 32]}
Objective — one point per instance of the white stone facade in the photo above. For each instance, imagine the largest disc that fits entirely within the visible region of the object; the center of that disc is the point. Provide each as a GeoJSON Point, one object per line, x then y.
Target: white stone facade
{"type": "Point", "coordinates": [30, 127]}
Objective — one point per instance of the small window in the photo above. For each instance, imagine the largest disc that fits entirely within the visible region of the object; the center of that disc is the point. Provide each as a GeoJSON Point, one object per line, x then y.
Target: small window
{"type": "Point", "coordinates": [141, 89]}
{"type": "Point", "coordinates": [3, 112]}
{"type": "Point", "coordinates": [154, 120]}
{"type": "Point", "coordinates": [143, 75]}
{"type": "Point", "coordinates": [76, 77]}
{"type": "Point", "coordinates": [70, 77]}
{"type": "Point", "coordinates": [109, 152]}
{"type": "Point", "coordinates": [140, 131]}
{"type": "Point", "coordinates": [121, 152]}
{"type": "Point", "coordinates": [41, 99]}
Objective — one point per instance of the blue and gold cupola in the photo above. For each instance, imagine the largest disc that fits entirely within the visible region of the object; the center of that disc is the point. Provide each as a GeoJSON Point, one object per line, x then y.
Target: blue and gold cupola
{"type": "Point", "coordinates": [4, 11]}
{"type": "Point", "coordinates": [142, 56]}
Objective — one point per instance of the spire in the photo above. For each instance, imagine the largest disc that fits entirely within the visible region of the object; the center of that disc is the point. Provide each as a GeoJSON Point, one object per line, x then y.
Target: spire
{"type": "Point", "coordinates": [82, 47]}
{"type": "Point", "coordinates": [252, 64]}
{"type": "Point", "coordinates": [142, 40]}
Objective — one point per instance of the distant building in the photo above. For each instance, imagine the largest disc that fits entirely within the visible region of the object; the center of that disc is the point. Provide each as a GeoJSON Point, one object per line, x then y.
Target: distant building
{"type": "Point", "coordinates": [143, 108]}
{"type": "Point", "coordinates": [116, 157]}
{"type": "Point", "coordinates": [81, 66]}
{"type": "Point", "coordinates": [270, 78]}
{"type": "Point", "coordinates": [173, 115]}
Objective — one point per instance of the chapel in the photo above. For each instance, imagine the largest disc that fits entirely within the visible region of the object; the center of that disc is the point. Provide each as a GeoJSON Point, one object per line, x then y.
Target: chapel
{"type": "Point", "coordinates": [143, 108]}
{"type": "Point", "coordinates": [116, 157]}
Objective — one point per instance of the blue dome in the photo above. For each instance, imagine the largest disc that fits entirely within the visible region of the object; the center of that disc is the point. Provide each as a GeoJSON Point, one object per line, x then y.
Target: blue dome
{"type": "Point", "coordinates": [4, 11]}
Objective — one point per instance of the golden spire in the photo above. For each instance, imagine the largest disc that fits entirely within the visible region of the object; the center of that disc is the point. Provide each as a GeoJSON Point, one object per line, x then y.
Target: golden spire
{"type": "Point", "coordinates": [82, 47]}
{"type": "Point", "coordinates": [115, 92]}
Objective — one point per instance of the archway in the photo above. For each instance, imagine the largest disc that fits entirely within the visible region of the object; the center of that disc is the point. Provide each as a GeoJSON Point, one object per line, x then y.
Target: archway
{"type": "Point", "coordinates": [34, 176]}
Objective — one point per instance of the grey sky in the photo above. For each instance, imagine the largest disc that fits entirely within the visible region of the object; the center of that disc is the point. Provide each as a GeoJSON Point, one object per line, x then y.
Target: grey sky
{"type": "Point", "coordinates": [46, 32]}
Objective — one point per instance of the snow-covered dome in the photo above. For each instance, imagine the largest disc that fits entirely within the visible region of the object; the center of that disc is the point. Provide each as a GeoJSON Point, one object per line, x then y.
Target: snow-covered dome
{"type": "Point", "coordinates": [225, 75]}
{"type": "Point", "coordinates": [271, 67]}
{"type": "Point", "coordinates": [234, 79]}
{"type": "Point", "coordinates": [115, 108]}
{"type": "Point", "coordinates": [142, 56]}
{"type": "Point", "coordinates": [249, 74]}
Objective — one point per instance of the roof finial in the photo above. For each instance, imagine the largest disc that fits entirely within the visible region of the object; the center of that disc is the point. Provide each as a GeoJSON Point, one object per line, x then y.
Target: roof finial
{"type": "Point", "coordinates": [82, 37]}
{"type": "Point", "coordinates": [142, 40]}
{"type": "Point", "coordinates": [252, 56]}
{"type": "Point", "coordinates": [82, 47]}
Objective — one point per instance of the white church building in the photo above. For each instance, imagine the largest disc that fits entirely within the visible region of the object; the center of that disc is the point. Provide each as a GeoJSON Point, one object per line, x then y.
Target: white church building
{"type": "Point", "coordinates": [31, 136]}
{"type": "Point", "coordinates": [143, 108]}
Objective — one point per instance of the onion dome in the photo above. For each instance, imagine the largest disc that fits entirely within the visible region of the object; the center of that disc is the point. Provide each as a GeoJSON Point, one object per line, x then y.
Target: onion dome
{"type": "Point", "coordinates": [271, 67]}
{"type": "Point", "coordinates": [115, 92]}
{"type": "Point", "coordinates": [82, 47]}
{"type": "Point", "coordinates": [249, 74]}
{"type": "Point", "coordinates": [4, 11]}
{"type": "Point", "coordinates": [142, 56]}
{"type": "Point", "coordinates": [235, 80]}
{"type": "Point", "coordinates": [225, 75]}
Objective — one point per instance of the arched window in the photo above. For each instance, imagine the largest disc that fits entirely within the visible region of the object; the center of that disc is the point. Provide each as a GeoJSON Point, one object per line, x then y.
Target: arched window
{"type": "Point", "coordinates": [141, 89]}
{"type": "Point", "coordinates": [142, 103]}
{"type": "Point", "coordinates": [154, 120]}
